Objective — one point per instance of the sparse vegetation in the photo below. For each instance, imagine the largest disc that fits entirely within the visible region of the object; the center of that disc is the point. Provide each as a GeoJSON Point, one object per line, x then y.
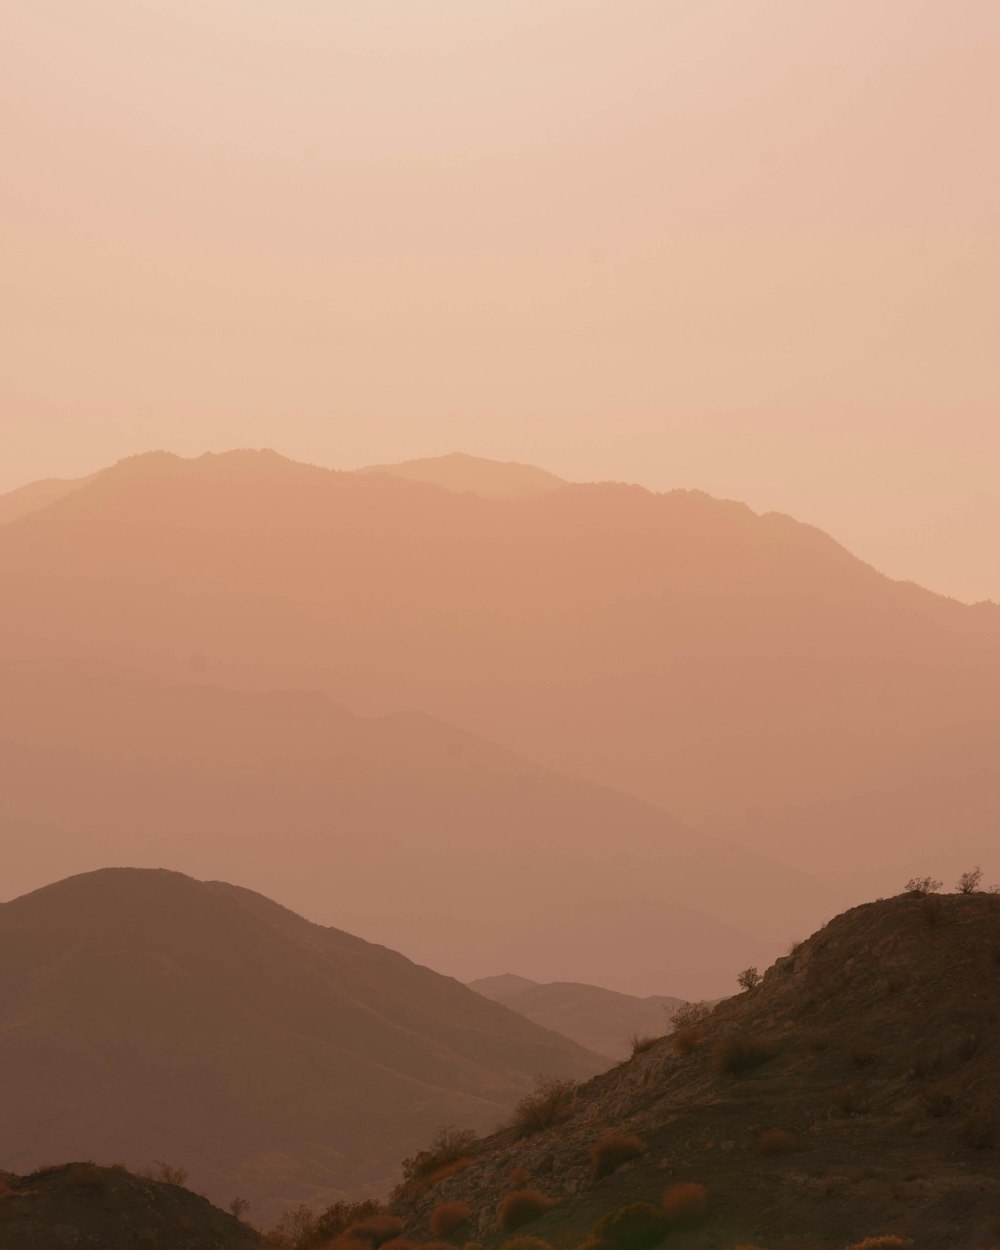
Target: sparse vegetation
{"type": "Point", "coordinates": [238, 1208]}
{"type": "Point", "coordinates": [448, 1217]}
{"type": "Point", "coordinates": [614, 1149]}
{"type": "Point", "coordinates": [550, 1103]}
{"type": "Point", "coordinates": [749, 979]}
{"type": "Point", "coordinates": [449, 1153]}
{"type": "Point", "coordinates": [640, 1044]}
{"type": "Point", "coordinates": [688, 1039]}
{"type": "Point", "coordinates": [522, 1207]}
{"type": "Point", "coordinates": [922, 886]}
{"type": "Point", "coordinates": [689, 1014]}
{"type": "Point", "coordinates": [686, 1203]}
{"type": "Point", "coordinates": [969, 882]}
{"type": "Point", "coordinates": [166, 1173]}
{"type": "Point", "coordinates": [737, 1054]}
{"type": "Point", "coordinates": [375, 1230]}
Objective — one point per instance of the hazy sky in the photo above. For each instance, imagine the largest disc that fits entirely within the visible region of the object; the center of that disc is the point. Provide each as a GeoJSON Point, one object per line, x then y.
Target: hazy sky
{"type": "Point", "coordinates": [745, 245]}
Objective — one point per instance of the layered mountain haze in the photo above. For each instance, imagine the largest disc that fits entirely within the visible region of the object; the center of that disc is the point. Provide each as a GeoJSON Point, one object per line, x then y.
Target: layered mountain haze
{"type": "Point", "coordinates": [741, 671]}
{"type": "Point", "coordinates": [145, 1015]}
{"type": "Point", "coordinates": [402, 829]}
{"type": "Point", "coordinates": [599, 1019]}
{"type": "Point", "coordinates": [459, 472]}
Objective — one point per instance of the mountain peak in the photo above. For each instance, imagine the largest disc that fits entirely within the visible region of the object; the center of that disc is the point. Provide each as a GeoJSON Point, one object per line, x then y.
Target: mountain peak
{"type": "Point", "coordinates": [458, 471]}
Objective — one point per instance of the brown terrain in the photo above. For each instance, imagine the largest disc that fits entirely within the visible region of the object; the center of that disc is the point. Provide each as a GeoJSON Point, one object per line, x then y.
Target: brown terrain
{"type": "Point", "coordinates": [853, 1093]}
{"type": "Point", "coordinates": [742, 671]}
{"type": "Point", "coordinates": [147, 1016]}
{"type": "Point", "coordinates": [79, 1205]}
{"type": "Point", "coordinates": [599, 1019]}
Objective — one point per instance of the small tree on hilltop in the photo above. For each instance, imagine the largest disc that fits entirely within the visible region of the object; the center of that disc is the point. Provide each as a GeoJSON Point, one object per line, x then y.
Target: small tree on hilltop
{"type": "Point", "coordinates": [922, 886]}
{"type": "Point", "coordinates": [749, 979]}
{"type": "Point", "coordinates": [969, 882]}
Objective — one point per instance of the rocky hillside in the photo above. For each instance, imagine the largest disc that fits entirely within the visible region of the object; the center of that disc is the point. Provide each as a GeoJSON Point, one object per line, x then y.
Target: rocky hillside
{"type": "Point", "coordinates": [854, 1092]}
{"type": "Point", "coordinates": [80, 1205]}
{"type": "Point", "coordinates": [600, 1019]}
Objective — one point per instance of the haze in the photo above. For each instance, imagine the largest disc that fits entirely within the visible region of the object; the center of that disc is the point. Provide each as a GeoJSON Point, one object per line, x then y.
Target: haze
{"type": "Point", "coordinates": [745, 248]}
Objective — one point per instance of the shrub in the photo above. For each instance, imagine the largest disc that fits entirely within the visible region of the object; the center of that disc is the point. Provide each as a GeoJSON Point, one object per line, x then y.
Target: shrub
{"type": "Point", "coordinates": [238, 1208]}
{"type": "Point", "coordinates": [641, 1044]}
{"type": "Point", "coordinates": [776, 1141]}
{"type": "Point", "coordinates": [447, 1217]}
{"type": "Point", "coordinates": [686, 1203]}
{"type": "Point", "coordinates": [85, 1176]}
{"type": "Point", "coordinates": [688, 1039]}
{"type": "Point", "coordinates": [749, 979]}
{"type": "Point", "coordinates": [522, 1208]}
{"type": "Point", "coordinates": [969, 882]}
{"type": "Point", "coordinates": [447, 1146]}
{"type": "Point", "coordinates": [689, 1014]}
{"type": "Point", "coordinates": [614, 1149]}
{"type": "Point", "coordinates": [168, 1174]}
{"type": "Point", "coordinates": [736, 1054]}
{"type": "Point", "coordinates": [922, 886]}
{"type": "Point", "coordinates": [550, 1103]}
{"type": "Point", "coordinates": [637, 1226]}
{"type": "Point", "coordinates": [335, 1220]}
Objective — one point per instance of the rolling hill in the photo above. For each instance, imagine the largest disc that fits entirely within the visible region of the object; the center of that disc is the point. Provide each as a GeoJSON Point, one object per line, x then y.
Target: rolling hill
{"type": "Point", "coordinates": [145, 1015]}
{"type": "Point", "coordinates": [492, 479]}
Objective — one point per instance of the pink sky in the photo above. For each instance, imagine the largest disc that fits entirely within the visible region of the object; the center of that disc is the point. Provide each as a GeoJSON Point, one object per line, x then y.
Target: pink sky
{"type": "Point", "coordinates": [745, 247]}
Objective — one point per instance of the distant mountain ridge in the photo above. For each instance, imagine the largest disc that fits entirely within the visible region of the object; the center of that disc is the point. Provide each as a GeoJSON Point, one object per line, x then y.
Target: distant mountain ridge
{"type": "Point", "coordinates": [457, 471]}
{"type": "Point", "coordinates": [145, 1015]}
{"type": "Point", "coordinates": [600, 1019]}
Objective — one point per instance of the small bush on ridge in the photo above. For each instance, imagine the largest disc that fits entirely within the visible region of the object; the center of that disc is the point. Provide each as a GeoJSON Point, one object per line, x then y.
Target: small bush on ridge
{"type": "Point", "coordinates": [447, 1217]}
{"type": "Point", "coordinates": [686, 1203]}
{"type": "Point", "coordinates": [550, 1103]}
{"type": "Point", "coordinates": [614, 1149]}
{"type": "Point", "coordinates": [522, 1208]}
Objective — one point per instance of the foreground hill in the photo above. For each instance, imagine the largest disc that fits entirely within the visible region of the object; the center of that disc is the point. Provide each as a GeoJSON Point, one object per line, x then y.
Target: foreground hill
{"type": "Point", "coordinates": [401, 829]}
{"type": "Point", "coordinates": [79, 1204]}
{"type": "Point", "coordinates": [145, 1015]}
{"type": "Point", "coordinates": [739, 670]}
{"type": "Point", "coordinates": [602, 1020]}
{"type": "Point", "coordinates": [492, 479]}
{"type": "Point", "coordinates": [855, 1092]}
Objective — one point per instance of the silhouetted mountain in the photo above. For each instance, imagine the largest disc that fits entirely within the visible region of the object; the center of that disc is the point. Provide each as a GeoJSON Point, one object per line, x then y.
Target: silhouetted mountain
{"type": "Point", "coordinates": [602, 1020]}
{"type": "Point", "coordinates": [733, 668]}
{"type": "Point", "coordinates": [78, 1205]}
{"type": "Point", "coordinates": [493, 479]}
{"type": "Point", "coordinates": [36, 495]}
{"type": "Point", "coordinates": [145, 1015]}
{"type": "Point", "coordinates": [401, 829]}
{"type": "Point", "coordinates": [854, 1093]}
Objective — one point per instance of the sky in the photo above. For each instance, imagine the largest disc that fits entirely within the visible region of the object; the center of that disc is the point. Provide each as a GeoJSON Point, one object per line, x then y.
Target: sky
{"type": "Point", "coordinates": [749, 247]}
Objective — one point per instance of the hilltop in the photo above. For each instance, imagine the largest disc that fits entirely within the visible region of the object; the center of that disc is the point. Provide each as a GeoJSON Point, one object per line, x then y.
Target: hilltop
{"type": "Point", "coordinates": [145, 1015]}
{"type": "Point", "coordinates": [743, 672]}
{"type": "Point", "coordinates": [79, 1204]}
{"type": "Point", "coordinates": [853, 1092]}
{"type": "Point", "coordinates": [494, 479]}
{"type": "Point", "coordinates": [600, 1019]}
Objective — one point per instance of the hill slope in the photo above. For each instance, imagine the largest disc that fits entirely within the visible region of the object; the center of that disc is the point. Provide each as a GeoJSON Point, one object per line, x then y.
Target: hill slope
{"type": "Point", "coordinates": [79, 1204]}
{"type": "Point", "coordinates": [401, 829]}
{"type": "Point", "coordinates": [145, 1015]}
{"type": "Point", "coordinates": [871, 1051]}
{"type": "Point", "coordinates": [493, 479]}
{"type": "Point", "coordinates": [36, 495]}
{"type": "Point", "coordinates": [600, 1019]}
{"type": "Point", "coordinates": [735, 669]}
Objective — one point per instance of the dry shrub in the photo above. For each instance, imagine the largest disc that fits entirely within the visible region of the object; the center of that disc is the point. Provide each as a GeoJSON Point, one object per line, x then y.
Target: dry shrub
{"type": "Point", "coordinates": [551, 1102]}
{"type": "Point", "coordinates": [776, 1141]}
{"type": "Point", "coordinates": [614, 1149]}
{"type": "Point", "coordinates": [524, 1242]}
{"type": "Point", "coordinates": [637, 1226]}
{"type": "Point", "coordinates": [86, 1176]}
{"type": "Point", "coordinates": [736, 1054]}
{"type": "Point", "coordinates": [686, 1203]}
{"type": "Point", "coordinates": [522, 1208]}
{"type": "Point", "coordinates": [447, 1217]}
{"type": "Point", "coordinates": [689, 1014]}
{"type": "Point", "coordinates": [687, 1039]}
{"type": "Point", "coordinates": [449, 1153]}
{"type": "Point", "coordinates": [880, 1243]}
{"type": "Point", "coordinates": [640, 1044]}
